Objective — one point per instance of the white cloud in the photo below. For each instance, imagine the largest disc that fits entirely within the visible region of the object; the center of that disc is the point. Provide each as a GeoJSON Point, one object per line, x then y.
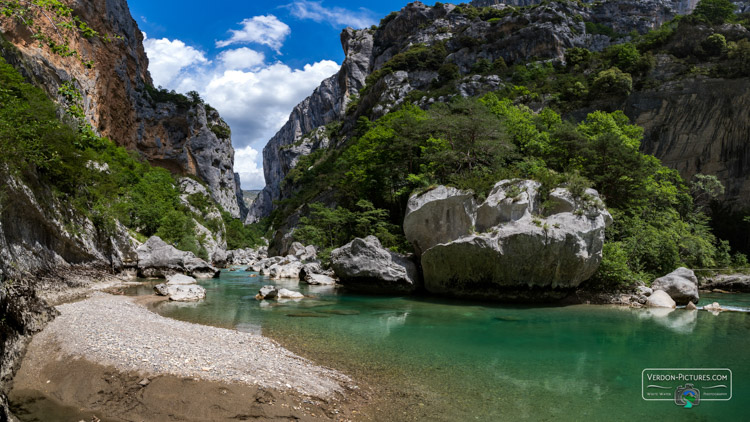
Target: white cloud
{"type": "Point", "coordinates": [168, 59]}
{"type": "Point", "coordinates": [266, 30]}
{"type": "Point", "coordinates": [253, 96]}
{"type": "Point", "coordinates": [242, 58]}
{"type": "Point", "coordinates": [246, 164]}
{"type": "Point", "coordinates": [336, 16]}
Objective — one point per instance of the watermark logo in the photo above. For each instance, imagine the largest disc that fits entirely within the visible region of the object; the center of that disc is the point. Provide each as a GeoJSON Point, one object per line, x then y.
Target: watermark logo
{"type": "Point", "coordinates": [687, 396]}
{"type": "Point", "coordinates": [686, 387]}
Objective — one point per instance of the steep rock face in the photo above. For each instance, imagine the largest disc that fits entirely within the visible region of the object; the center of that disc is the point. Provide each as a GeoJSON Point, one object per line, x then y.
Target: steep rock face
{"type": "Point", "coordinates": [116, 101]}
{"type": "Point", "coordinates": [514, 248]}
{"type": "Point", "coordinates": [43, 241]}
{"type": "Point", "coordinates": [699, 126]}
{"type": "Point", "coordinates": [542, 32]}
{"type": "Point", "coordinates": [327, 104]}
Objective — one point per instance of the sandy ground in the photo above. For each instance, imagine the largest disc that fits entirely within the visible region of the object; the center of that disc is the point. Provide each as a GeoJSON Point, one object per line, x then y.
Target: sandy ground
{"type": "Point", "coordinates": [109, 356]}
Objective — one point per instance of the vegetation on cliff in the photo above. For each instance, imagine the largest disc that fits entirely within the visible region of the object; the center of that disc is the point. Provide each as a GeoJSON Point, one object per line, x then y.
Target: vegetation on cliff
{"type": "Point", "coordinates": [98, 179]}
{"type": "Point", "coordinates": [661, 221]}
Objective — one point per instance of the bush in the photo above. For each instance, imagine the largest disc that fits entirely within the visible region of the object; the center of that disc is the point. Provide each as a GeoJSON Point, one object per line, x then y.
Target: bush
{"type": "Point", "coordinates": [624, 56]}
{"type": "Point", "coordinates": [715, 45]}
{"type": "Point", "coordinates": [612, 82]}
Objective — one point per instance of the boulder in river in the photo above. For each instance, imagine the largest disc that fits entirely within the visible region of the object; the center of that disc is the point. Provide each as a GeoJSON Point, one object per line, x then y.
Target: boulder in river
{"type": "Point", "coordinates": [366, 265]}
{"type": "Point", "coordinates": [156, 258]}
{"type": "Point", "coordinates": [289, 294]}
{"type": "Point", "coordinates": [681, 285]}
{"type": "Point", "coordinates": [180, 279]}
{"type": "Point", "coordinates": [181, 292]}
{"type": "Point", "coordinates": [319, 280]}
{"type": "Point", "coordinates": [267, 292]}
{"type": "Point", "coordinates": [512, 246]}
{"type": "Point", "coordinates": [660, 299]}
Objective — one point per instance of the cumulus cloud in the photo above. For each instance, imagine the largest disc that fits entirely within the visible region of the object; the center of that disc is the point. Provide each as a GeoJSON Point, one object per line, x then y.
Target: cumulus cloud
{"type": "Point", "coordinates": [242, 58]}
{"type": "Point", "coordinates": [266, 30]}
{"type": "Point", "coordinates": [336, 16]}
{"type": "Point", "coordinates": [254, 96]}
{"type": "Point", "coordinates": [168, 59]}
{"type": "Point", "coordinates": [246, 164]}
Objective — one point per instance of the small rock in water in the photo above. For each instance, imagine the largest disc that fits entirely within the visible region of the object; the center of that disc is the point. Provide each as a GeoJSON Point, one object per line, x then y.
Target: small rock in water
{"type": "Point", "coordinates": [714, 307]}
{"type": "Point", "coordinates": [691, 306]}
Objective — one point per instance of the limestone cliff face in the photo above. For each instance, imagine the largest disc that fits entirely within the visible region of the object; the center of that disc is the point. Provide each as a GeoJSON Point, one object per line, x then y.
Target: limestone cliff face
{"type": "Point", "coordinates": [116, 101]}
{"type": "Point", "coordinates": [699, 126]}
{"type": "Point", "coordinates": [711, 142]}
{"type": "Point", "coordinates": [326, 104]}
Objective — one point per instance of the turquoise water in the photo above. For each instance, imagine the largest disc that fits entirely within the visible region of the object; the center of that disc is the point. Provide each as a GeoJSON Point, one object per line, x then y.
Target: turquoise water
{"type": "Point", "coordinates": [447, 360]}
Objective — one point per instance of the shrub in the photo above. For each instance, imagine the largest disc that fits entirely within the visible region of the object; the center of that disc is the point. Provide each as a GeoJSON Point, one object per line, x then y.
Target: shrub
{"type": "Point", "coordinates": [613, 82]}
{"type": "Point", "coordinates": [715, 45]}
{"type": "Point", "coordinates": [624, 56]}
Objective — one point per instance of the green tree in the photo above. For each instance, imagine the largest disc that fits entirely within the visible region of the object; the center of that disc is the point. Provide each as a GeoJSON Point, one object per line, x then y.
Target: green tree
{"type": "Point", "coordinates": [613, 82]}
{"type": "Point", "coordinates": [714, 11]}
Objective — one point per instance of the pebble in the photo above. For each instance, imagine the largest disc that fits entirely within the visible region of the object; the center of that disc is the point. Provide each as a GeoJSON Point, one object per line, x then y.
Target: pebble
{"type": "Point", "coordinates": [113, 330]}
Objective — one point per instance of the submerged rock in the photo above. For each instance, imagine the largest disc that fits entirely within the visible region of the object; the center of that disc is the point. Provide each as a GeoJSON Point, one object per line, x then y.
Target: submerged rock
{"type": "Point", "coordinates": [509, 244]}
{"type": "Point", "coordinates": [681, 285]}
{"type": "Point", "coordinates": [660, 299]}
{"type": "Point", "coordinates": [156, 258]}
{"type": "Point", "coordinates": [365, 264]}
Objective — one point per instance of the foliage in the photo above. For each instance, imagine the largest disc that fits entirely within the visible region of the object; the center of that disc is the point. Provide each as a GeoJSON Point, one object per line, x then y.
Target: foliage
{"type": "Point", "coordinates": [221, 131]}
{"type": "Point", "coordinates": [241, 236]}
{"type": "Point", "coordinates": [97, 178]}
{"type": "Point", "coordinates": [715, 45]}
{"type": "Point", "coordinates": [600, 29]}
{"type": "Point", "coordinates": [328, 228]}
{"type": "Point", "coordinates": [65, 24]}
{"type": "Point", "coordinates": [612, 81]}
{"type": "Point", "coordinates": [714, 11]}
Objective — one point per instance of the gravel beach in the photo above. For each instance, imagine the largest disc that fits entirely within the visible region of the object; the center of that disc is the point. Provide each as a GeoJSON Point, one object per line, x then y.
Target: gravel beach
{"type": "Point", "coordinates": [117, 332]}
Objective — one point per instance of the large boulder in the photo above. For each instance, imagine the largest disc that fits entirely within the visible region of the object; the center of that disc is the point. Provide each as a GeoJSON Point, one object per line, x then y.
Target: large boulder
{"type": "Point", "coordinates": [438, 216]}
{"type": "Point", "coordinates": [158, 259]}
{"type": "Point", "coordinates": [180, 280]}
{"type": "Point", "coordinates": [681, 285]}
{"type": "Point", "coordinates": [288, 270]}
{"type": "Point", "coordinates": [366, 265]}
{"type": "Point", "coordinates": [660, 299]}
{"type": "Point", "coordinates": [181, 292]}
{"type": "Point", "coordinates": [516, 248]}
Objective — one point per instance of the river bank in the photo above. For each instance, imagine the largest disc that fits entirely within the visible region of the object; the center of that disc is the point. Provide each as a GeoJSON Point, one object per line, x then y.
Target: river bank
{"type": "Point", "coordinates": [111, 357]}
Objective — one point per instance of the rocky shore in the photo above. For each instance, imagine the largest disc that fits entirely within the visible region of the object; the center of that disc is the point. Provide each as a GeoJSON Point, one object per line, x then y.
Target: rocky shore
{"type": "Point", "coordinates": [116, 335]}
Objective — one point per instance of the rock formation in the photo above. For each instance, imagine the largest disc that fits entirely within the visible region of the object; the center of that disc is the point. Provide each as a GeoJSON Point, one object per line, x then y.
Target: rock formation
{"type": "Point", "coordinates": [681, 285]}
{"type": "Point", "coordinates": [158, 259]}
{"type": "Point", "coordinates": [120, 103]}
{"type": "Point", "coordinates": [508, 245]}
{"type": "Point", "coordinates": [364, 264]}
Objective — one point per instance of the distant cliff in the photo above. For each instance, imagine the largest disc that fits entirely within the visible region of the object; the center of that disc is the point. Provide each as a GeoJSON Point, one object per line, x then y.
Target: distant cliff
{"type": "Point", "coordinates": [481, 35]}
{"type": "Point", "coordinates": [118, 101]}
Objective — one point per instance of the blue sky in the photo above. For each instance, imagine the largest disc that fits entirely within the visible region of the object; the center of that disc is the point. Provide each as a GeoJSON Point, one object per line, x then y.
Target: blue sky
{"type": "Point", "coordinates": [252, 60]}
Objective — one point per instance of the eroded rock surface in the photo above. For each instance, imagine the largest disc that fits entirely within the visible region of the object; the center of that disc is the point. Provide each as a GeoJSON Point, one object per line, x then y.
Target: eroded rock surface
{"type": "Point", "coordinates": [364, 264]}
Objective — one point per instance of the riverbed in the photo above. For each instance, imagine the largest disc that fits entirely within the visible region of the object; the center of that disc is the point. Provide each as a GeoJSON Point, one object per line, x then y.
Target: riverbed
{"type": "Point", "coordinates": [450, 360]}
{"type": "Point", "coordinates": [437, 359]}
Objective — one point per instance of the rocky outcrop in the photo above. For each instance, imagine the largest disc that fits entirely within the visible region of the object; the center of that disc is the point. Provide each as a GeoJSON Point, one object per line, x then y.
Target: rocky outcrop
{"type": "Point", "coordinates": [43, 242]}
{"type": "Point", "coordinates": [170, 131]}
{"type": "Point", "coordinates": [326, 104]}
{"type": "Point", "coordinates": [157, 259]}
{"type": "Point", "coordinates": [509, 244]}
{"type": "Point", "coordinates": [681, 285]}
{"type": "Point", "coordinates": [364, 264]}
{"type": "Point", "coordinates": [660, 299]}
{"type": "Point", "coordinates": [699, 126]}
{"type": "Point", "coordinates": [731, 283]}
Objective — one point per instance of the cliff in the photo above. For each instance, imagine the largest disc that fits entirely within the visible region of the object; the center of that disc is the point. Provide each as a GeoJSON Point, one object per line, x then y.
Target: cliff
{"type": "Point", "coordinates": [118, 100]}
{"type": "Point", "coordinates": [468, 37]}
